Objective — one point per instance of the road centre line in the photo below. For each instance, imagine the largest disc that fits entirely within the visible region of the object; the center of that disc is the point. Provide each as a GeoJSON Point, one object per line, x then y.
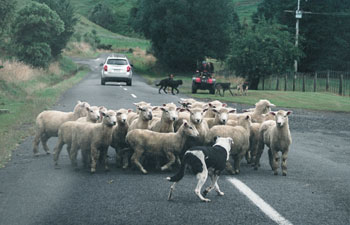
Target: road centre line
{"type": "Point", "coordinates": [134, 96]}
{"type": "Point", "coordinates": [264, 207]}
{"type": "Point", "coordinates": [125, 89]}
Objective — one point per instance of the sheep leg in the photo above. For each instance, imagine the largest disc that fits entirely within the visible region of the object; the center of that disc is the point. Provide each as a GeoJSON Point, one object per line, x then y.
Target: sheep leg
{"type": "Point", "coordinates": [44, 139]}
{"type": "Point", "coordinates": [275, 162]}
{"type": "Point", "coordinates": [85, 158]}
{"type": "Point", "coordinates": [73, 155]}
{"type": "Point", "coordinates": [105, 158]}
{"type": "Point", "coordinates": [201, 177]}
{"type": "Point", "coordinates": [126, 156]}
{"type": "Point", "coordinates": [135, 158]}
{"type": "Point", "coordinates": [237, 163]}
{"type": "Point", "coordinates": [270, 158]}
{"type": "Point", "coordinates": [258, 156]}
{"type": "Point", "coordinates": [36, 143]}
{"type": "Point", "coordinates": [118, 158]}
{"type": "Point", "coordinates": [284, 163]}
{"type": "Point", "coordinates": [57, 151]}
{"type": "Point", "coordinates": [171, 157]}
{"type": "Point", "coordinates": [248, 157]}
{"type": "Point", "coordinates": [229, 168]}
{"type": "Point", "coordinates": [94, 158]}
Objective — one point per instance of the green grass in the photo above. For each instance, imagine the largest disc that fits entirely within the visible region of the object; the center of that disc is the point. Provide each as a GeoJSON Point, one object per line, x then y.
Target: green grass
{"type": "Point", "coordinates": [246, 8]}
{"type": "Point", "coordinates": [25, 100]}
{"type": "Point", "coordinates": [303, 100]}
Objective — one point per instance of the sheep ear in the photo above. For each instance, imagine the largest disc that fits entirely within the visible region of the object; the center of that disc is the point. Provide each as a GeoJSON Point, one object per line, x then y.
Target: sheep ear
{"type": "Point", "coordinates": [232, 111]}
{"type": "Point", "coordinates": [273, 113]}
{"type": "Point", "coordinates": [129, 110]}
{"type": "Point", "coordinates": [182, 110]}
{"type": "Point", "coordinates": [164, 104]}
{"type": "Point", "coordinates": [204, 110]}
{"type": "Point", "coordinates": [87, 108]}
{"type": "Point", "coordinates": [118, 113]}
{"type": "Point", "coordinates": [247, 117]}
{"type": "Point", "coordinates": [102, 113]}
{"type": "Point", "coordinates": [185, 124]}
{"type": "Point", "coordinates": [161, 108]}
{"type": "Point", "coordinates": [154, 108]}
{"type": "Point", "coordinates": [78, 102]}
{"type": "Point", "coordinates": [272, 105]}
{"type": "Point", "coordinates": [214, 110]}
{"type": "Point", "coordinates": [289, 112]}
{"type": "Point", "coordinates": [211, 105]}
{"type": "Point", "coordinates": [224, 104]}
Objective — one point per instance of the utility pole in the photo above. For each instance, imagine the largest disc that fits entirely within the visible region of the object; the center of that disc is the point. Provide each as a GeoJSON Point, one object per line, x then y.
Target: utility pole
{"type": "Point", "coordinates": [298, 16]}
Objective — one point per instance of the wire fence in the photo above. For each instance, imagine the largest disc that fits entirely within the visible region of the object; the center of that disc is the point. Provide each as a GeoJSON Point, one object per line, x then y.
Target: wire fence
{"type": "Point", "coordinates": [337, 82]}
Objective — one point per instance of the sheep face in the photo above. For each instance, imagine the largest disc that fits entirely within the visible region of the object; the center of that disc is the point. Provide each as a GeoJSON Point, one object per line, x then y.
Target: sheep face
{"type": "Point", "coordinates": [93, 113]}
{"type": "Point", "coordinates": [281, 117]}
{"type": "Point", "coordinates": [169, 113]}
{"type": "Point", "coordinates": [222, 114]}
{"type": "Point", "coordinates": [264, 106]}
{"type": "Point", "coordinates": [122, 115]}
{"type": "Point", "coordinates": [196, 115]}
{"type": "Point", "coordinates": [190, 130]}
{"type": "Point", "coordinates": [109, 118]}
{"type": "Point", "coordinates": [80, 109]}
{"type": "Point", "coordinates": [146, 112]}
{"type": "Point", "coordinates": [140, 105]}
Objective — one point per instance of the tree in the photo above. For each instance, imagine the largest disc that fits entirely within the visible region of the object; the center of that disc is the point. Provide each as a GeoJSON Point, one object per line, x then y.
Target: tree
{"type": "Point", "coordinates": [103, 15]}
{"type": "Point", "coordinates": [262, 49]}
{"type": "Point", "coordinates": [35, 28]}
{"type": "Point", "coordinates": [326, 34]}
{"type": "Point", "coordinates": [65, 11]}
{"type": "Point", "coordinates": [7, 10]}
{"type": "Point", "coordinates": [183, 32]}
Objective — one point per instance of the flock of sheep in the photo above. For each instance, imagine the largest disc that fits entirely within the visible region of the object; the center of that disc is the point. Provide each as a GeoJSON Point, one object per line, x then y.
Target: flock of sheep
{"type": "Point", "coordinates": [161, 134]}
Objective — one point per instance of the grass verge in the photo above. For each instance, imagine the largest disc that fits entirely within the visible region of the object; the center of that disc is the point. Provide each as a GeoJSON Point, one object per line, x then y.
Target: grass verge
{"type": "Point", "coordinates": [26, 99]}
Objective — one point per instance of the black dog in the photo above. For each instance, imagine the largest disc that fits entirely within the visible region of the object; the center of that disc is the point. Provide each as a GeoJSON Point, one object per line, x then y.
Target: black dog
{"type": "Point", "coordinates": [224, 87]}
{"type": "Point", "coordinates": [174, 84]}
{"type": "Point", "coordinates": [204, 160]}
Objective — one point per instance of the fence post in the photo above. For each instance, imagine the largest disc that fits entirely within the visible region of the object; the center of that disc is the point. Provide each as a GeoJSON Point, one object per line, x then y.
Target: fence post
{"type": "Point", "coordinates": [285, 82]}
{"type": "Point", "coordinates": [327, 81]}
{"type": "Point", "coordinates": [277, 83]}
{"type": "Point", "coordinates": [341, 85]}
{"type": "Point", "coordinates": [315, 82]}
{"type": "Point", "coordinates": [294, 80]}
{"type": "Point", "coordinates": [303, 82]}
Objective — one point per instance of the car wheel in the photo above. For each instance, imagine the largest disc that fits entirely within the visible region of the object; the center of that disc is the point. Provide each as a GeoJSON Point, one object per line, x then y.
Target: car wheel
{"type": "Point", "coordinates": [129, 82]}
{"type": "Point", "coordinates": [194, 89]}
{"type": "Point", "coordinates": [103, 82]}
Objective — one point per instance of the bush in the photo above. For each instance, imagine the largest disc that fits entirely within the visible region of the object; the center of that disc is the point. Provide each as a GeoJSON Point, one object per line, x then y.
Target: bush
{"type": "Point", "coordinates": [36, 54]}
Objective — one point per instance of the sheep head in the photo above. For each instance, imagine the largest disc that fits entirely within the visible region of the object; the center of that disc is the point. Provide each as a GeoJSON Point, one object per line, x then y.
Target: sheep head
{"type": "Point", "coordinates": [281, 117]}
{"type": "Point", "coordinates": [109, 118]}
{"type": "Point", "coordinates": [189, 129]}
{"type": "Point", "coordinates": [196, 115]}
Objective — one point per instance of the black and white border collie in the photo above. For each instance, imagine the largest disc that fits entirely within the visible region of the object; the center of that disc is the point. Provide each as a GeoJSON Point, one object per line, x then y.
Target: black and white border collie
{"type": "Point", "coordinates": [204, 160]}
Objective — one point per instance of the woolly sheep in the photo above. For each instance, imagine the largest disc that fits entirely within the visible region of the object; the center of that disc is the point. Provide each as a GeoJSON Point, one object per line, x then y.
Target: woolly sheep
{"type": "Point", "coordinates": [93, 138]}
{"type": "Point", "coordinates": [211, 106]}
{"type": "Point", "coordinates": [165, 124]}
{"type": "Point", "coordinates": [168, 144]}
{"type": "Point", "coordinates": [276, 136]}
{"type": "Point", "coordinates": [118, 138]}
{"type": "Point", "coordinates": [240, 136]}
{"type": "Point", "coordinates": [221, 117]}
{"type": "Point", "coordinates": [134, 115]}
{"type": "Point", "coordinates": [93, 115]}
{"type": "Point", "coordinates": [142, 122]}
{"type": "Point", "coordinates": [48, 122]}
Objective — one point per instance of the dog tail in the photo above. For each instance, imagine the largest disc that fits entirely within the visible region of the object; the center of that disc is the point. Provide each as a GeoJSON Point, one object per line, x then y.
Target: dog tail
{"type": "Point", "coordinates": [158, 84]}
{"type": "Point", "coordinates": [177, 177]}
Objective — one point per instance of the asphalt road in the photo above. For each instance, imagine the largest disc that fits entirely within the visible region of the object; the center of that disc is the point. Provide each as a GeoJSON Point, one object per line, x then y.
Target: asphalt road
{"type": "Point", "coordinates": [316, 190]}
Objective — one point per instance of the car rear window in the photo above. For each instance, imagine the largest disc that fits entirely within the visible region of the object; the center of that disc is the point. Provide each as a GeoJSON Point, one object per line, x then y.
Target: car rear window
{"type": "Point", "coordinates": [117, 62]}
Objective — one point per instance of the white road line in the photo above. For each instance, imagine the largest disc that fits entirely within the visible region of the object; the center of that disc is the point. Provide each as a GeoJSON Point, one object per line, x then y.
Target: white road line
{"type": "Point", "coordinates": [134, 96]}
{"type": "Point", "coordinates": [125, 89]}
{"type": "Point", "coordinates": [265, 207]}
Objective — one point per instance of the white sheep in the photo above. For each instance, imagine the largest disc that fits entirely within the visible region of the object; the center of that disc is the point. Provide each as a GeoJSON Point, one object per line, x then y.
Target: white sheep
{"type": "Point", "coordinates": [142, 121]}
{"type": "Point", "coordinates": [240, 136]}
{"type": "Point", "coordinates": [276, 136]}
{"type": "Point", "coordinates": [93, 115]}
{"type": "Point", "coordinates": [134, 115]}
{"type": "Point", "coordinates": [221, 116]}
{"type": "Point", "coordinates": [48, 122]}
{"type": "Point", "coordinates": [211, 106]}
{"type": "Point", "coordinates": [118, 138]}
{"type": "Point", "coordinates": [93, 138]}
{"type": "Point", "coordinates": [165, 124]}
{"type": "Point", "coordinates": [155, 143]}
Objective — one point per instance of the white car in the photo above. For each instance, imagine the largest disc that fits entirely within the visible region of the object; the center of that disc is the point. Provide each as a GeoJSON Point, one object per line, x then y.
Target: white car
{"type": "Point", "coordinates": [116, 68]}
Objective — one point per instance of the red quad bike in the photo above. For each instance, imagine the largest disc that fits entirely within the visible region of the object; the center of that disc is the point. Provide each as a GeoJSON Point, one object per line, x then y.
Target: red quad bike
{"type": "Point", "coordinates": [203, 81]}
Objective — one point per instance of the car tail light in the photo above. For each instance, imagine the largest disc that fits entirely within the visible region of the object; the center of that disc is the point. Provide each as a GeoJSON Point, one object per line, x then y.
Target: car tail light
{"type": "Point", "coordinates": [105, 67]}
{"type": "Point", "coordinates": [210, 81]}
{"type": "Point", "coordinates": [198, 79]}
{"type": "Point", "coordinates": [128, 68]}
